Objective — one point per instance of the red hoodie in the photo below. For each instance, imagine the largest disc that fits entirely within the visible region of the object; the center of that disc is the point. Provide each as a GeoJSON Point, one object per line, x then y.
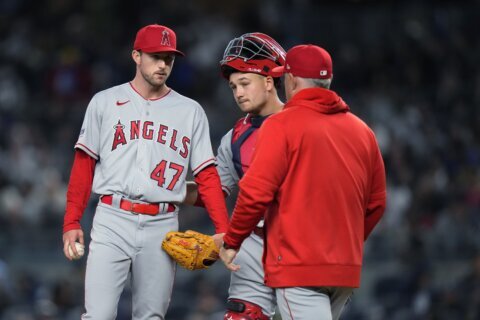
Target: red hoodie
{"type": "Point", "coordinates": [318, 169]}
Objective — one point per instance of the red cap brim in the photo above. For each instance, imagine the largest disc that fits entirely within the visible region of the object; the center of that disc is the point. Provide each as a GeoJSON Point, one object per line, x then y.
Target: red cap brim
{"type": "Point", "coordinates": [162, 49]}
{"type": "Point", "coordinates": [277, 71]}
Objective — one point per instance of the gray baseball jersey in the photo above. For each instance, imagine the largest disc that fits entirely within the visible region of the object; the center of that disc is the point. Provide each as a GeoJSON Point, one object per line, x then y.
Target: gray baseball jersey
{"type": "Point", "coordinates": [225, 167]}
{"type": "Point", "coordinates": [144, 149]}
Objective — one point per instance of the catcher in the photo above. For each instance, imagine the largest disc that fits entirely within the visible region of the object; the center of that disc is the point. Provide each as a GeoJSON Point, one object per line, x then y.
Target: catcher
{"type": "Point", "coordinates": [246, 66]}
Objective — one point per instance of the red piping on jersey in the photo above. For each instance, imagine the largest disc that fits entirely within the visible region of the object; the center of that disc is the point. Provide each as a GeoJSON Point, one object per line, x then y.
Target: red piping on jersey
{"type": "Point", "coordinates": [88, 149]}
{"type": "Point", "coordinates": [284, 292]}
{"type": "Point", "coordinates": [131, 85]}
{"type": "Point", "coordinates": [202, 164]}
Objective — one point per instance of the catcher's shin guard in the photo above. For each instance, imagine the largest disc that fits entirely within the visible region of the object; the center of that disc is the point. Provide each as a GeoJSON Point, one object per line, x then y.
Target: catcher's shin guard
{"type": "Point", "coordinates": [243, 310]}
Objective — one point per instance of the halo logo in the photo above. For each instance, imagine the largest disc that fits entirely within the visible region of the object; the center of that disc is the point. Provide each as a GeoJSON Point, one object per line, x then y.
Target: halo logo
{"type": "Point", "coordinates": [166, 39]}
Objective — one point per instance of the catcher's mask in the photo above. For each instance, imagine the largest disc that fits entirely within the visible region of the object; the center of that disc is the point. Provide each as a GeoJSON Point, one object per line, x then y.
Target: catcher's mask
{"type": "Point", "coordinates": [252, 52]}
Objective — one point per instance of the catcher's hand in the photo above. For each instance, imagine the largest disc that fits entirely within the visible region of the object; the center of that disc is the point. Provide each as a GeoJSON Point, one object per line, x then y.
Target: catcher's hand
{"type": "Point", "coordinates": [190, 249]}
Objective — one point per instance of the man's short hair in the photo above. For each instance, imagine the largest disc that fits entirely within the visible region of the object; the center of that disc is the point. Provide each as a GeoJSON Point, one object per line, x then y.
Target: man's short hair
{"type": "Point", "coordinates": [322, 83]}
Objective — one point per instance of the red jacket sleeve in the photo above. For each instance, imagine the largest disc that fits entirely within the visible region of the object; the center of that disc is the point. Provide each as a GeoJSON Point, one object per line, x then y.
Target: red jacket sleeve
{"type": "Point", "coordinates": [377, 202]}
{"type": "Point", "coordinates": [211, 196]}
{"type": "Point", "coordinates": [260, 183]}
{"type": "Point", "coordinates": [79, 189]}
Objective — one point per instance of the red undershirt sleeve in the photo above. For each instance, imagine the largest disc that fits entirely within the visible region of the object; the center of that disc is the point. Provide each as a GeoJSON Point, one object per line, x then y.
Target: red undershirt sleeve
{"type": "Point", "coordinates": [79, 189]}
{"type": "Point", "coordinates": [199, 202]}
{"type": "Point", "coordinates": [210, 194]}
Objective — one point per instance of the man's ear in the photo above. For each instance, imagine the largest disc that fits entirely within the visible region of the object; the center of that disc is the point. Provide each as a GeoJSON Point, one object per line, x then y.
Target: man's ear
{"type": "Point", "coordinates": [293, 81]}
{"type": "Point", "coordinates": [136, 56]}
{"type": "Point", "coordinates": [270, 83]}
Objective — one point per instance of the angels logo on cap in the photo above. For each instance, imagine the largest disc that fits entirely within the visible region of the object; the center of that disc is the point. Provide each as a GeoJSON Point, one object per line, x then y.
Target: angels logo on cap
{"type": "Point", "coordinates": [165, 39]}
{"type": "Point", "coordinates": [156, 38]}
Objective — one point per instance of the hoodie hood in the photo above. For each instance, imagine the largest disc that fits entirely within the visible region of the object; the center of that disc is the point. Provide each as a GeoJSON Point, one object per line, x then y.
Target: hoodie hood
{"type": "Point", "coordinates": [323, 100]}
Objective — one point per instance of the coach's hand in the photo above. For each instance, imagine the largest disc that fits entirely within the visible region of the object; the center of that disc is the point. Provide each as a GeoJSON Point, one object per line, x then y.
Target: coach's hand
{"type": "Point", "coordinates": [218, 239]}
{"type": "Point", "coordinates": [227, 256]}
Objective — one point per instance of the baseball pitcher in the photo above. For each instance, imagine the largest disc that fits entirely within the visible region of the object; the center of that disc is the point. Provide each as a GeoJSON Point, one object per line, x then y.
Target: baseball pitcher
{"type": "Point", "coordinates": [137, 143]}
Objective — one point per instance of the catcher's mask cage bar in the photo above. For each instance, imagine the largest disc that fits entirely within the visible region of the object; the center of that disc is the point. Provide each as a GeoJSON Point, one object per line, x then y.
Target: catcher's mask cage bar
{"type": "Point", "coordinates": [246, 48]}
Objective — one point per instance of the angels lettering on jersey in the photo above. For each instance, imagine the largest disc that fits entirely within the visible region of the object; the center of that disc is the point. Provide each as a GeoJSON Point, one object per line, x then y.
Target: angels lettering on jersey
{"type": "Point", "coordinates": [150, 131]}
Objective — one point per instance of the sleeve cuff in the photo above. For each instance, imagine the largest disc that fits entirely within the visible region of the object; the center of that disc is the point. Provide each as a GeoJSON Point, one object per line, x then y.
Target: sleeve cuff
{"type": "Point", "coordinates": [87, 150]}
{"type": "Point", "coordinates": [227, 246]}
{"type": "Point", "coordinates": [72, 226]}
{"type": "Point", "coordinates": [203, 166]}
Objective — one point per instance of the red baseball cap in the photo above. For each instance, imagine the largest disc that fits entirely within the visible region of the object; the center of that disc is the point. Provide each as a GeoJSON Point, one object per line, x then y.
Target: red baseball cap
{"type": "Point", "coordinates": [306, 61]}
{"type": "Point", "coordinates": [156, 38]}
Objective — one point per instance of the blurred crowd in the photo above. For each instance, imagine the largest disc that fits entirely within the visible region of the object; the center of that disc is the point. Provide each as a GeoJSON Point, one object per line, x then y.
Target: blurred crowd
{"type": "Point", "coordinates": [410, 69]}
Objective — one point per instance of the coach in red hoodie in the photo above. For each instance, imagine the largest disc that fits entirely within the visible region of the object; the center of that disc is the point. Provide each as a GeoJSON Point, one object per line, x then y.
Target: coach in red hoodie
{"type": "Point", "coordinates": [318, 170]}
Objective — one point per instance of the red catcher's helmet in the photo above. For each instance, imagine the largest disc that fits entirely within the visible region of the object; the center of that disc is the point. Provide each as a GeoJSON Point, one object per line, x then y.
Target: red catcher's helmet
{"type": "Point", "coordinates": [252, 52]}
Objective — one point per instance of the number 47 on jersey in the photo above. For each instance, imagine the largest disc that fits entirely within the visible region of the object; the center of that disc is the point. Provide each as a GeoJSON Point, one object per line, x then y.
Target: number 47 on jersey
{"type": "Point", "coordinates": [158, 174]}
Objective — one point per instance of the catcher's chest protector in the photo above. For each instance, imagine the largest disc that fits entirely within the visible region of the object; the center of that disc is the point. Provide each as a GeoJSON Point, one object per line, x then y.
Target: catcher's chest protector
{"type": "Point", "coordinates": [244, 137]}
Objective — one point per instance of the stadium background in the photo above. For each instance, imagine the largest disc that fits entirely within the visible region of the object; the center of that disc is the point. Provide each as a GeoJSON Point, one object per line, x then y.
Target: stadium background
{"type": "Point", "coordinates": [410, 69]}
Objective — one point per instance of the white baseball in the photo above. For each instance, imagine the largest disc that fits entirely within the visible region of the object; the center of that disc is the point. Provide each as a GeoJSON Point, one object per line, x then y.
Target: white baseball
{"type": "Point", "coordinates": [80, 249]}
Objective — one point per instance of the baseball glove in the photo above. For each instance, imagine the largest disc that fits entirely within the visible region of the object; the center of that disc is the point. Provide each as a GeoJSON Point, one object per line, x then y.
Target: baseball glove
{"type": "Point", "coordinates": [190, 249]}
